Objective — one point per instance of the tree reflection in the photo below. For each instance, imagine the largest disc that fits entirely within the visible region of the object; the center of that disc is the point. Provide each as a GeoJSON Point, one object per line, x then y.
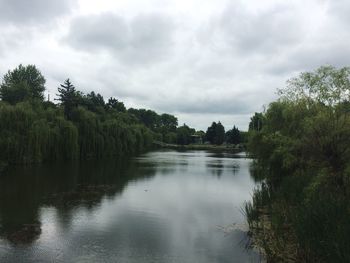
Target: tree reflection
{"type": "Point", "coordinates": [24, 190]}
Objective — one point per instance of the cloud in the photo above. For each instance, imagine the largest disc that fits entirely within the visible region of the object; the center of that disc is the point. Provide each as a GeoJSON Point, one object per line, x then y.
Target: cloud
{"type": "Point", "coordinates": [340, 10]}
{"type": "Point", "coordinates": [203, 61]}
{"type": "Point", "coordinates": [144, 38]}
{"type": "Point", "coordinates": [239, 30]}
{"type": "Point", "coordinates": [24, 12]}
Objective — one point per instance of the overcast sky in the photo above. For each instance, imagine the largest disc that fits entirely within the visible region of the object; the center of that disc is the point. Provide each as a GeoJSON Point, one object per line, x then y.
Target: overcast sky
{"type": "Point", "coordinates": [200, 60]}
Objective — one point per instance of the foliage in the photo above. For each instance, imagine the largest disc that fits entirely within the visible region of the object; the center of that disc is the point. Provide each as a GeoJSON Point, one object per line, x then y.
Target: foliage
{"type": "Point", "coordinates": [216, 133]}
{"type": "Point", "coordinates": [303, 148]}
{"type": "Point", "coordinates": [184, 135]}
{"type": "Point", "coordinates": [69, 97]}
{"type": "Point", "coordinates": [21, 84]}
{"type": "Point", "coordinates": [165, 124]}
{"type": "Point", "coordinates": [233, 136]}
{"type": "Point", "coordinates": [256, 122]}
{"type": "Point", "coordinates": [116, 105]}
{"type": "Point", "coordinates": [81, 126]}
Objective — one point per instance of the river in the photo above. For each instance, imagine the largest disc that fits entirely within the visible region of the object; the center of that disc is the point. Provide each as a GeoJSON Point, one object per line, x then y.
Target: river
{"type": "Point", "coordinates": [162, 206]}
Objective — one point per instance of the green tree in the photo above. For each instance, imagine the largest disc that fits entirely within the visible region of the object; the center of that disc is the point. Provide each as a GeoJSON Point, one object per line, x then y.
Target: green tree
{"type": "Point", "coordinates": [94, 102]}
{"type": "Point", "coordinates": [116, 105]}
{"type": "Point", "coordinates": [148, 117]}
{"type": "Point", "coordinates": [211, 132]}
{"type": "Point", "coordinates": [184, 133]}
{"type": "Point", "coordinates": [219, 134]}
{"type": "Point", "coordinates": [215, 133]}
{"type": "Point", "coordinates": [256, 122]}
{"type": "Point", "coordinates": [168, 122]}
{"type": "Point", "coordinates": [233, 136]}
{"type": "Point", "coordinates": [22, 83]}
{"type": "Point", "coordinates": [69, 97]}
{"type": "Point", "coordinates": [303, 148]}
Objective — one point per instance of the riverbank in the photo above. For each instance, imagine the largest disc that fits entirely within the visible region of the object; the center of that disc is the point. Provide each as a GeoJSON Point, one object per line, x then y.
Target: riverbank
{"type": "Point", "coordinates": [204, 147]}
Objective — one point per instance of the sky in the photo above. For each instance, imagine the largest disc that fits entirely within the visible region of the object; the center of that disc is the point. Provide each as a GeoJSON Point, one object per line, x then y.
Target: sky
{"type": "Point", "coordinates": [200, 60]}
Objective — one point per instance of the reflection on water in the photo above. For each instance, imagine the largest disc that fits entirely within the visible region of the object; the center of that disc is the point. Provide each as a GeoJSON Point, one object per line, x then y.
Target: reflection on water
{"type": "Point", "coordinates": [164, 206]}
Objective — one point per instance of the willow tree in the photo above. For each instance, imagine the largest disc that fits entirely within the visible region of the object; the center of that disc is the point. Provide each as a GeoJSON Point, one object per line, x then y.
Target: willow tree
{"type": "Point", "coordinates": [304, 146]}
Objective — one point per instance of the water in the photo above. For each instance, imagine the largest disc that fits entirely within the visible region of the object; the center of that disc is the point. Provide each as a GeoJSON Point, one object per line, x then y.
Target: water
{"type": "Point", "coordinates": [163, 206]}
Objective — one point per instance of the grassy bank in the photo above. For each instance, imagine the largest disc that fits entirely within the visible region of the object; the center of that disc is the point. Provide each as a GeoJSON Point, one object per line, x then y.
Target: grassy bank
{"type": "Point", "coordinates": [206, 147]}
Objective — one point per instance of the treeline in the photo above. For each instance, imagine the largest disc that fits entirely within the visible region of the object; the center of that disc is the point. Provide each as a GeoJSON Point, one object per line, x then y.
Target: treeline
{"type": "Point", "coordinates": [78, 126]}
{"type": "Point", "coordinates": [301, 143]}
{"type": "Point", "coordinates": [166, 129]}
{"type": "Point", "coordinates": [81, 126]}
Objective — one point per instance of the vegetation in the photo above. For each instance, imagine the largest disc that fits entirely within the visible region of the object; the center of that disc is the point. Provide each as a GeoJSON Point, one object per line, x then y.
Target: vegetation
{"type": "Point", "coordinates": [81, 126]}
{"type": "Point", "coordinates": [301, 144]}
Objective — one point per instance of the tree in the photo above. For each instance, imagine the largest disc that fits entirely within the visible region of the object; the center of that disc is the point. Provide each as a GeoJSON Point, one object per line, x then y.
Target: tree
{"type": "Point", "coordinates": [215, 133]}
{"type": "Point", "coordinates": [303, 150]}
{"type": "Point", "coordinates": [69, 97]}
{"type": "Point", "coordinates": [219, 134]}
{"type": "Point", "coordinates": [116, 105]}
{"type": "Point", "coordinates": [327, 85]}
{"type": "Point", "coordinates": [22, 83]}
{"type": "Point", "coordinates": [233, 136]}
{"type": "Point", "coordinates": [256, 122]}
{"type": "Point", "coordinates": [148, 117]}
{"type": "Point", "coordinates": [94, 102]}
{"type": "Point", "coordinates": [210, 134]}
{"type": "Point", "coordinates": [168, 122]}
{"type": "Point", "coordinates": [184, 134]}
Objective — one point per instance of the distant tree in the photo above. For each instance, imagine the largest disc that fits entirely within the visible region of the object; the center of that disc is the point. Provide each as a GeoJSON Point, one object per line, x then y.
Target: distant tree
{"type": "Point", "coordinates": [256, 122]}
{"type": "Point", "coordinates": [233, 136]}
{"type": "Point", "coordinates": [215, 133]}
{"type": "Point", "coordinates": [184, 134]}
{"type": "Point", "coordinates": [168, 122]}
{"type": "Point", "coordinates": [116, 105]}
{"type": "Point", "coordinates": [22, 83]}
{"type": "Point", "coordinates": [148, 117]}
{"type": "Point", "coordinates": [69, 97]}
{"type": "Point", "coordinates": [219, 134]}
{"type": "Point", "coordinates": [94, 102]}
{"type": "Point", "coordinates": [210, 134]}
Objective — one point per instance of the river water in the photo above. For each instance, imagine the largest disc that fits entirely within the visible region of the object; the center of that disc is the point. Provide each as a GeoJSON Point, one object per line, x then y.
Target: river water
{"type": "Point", "coordinates": [162, 206]}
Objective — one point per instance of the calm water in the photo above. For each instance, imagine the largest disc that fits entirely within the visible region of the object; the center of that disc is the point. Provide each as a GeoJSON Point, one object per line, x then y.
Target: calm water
{"type": "Point", "coordinates": [163, 206]}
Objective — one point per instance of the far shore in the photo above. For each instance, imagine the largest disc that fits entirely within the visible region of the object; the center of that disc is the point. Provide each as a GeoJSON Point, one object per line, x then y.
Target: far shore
{"type": "Point", "coordinates": [209, 147]}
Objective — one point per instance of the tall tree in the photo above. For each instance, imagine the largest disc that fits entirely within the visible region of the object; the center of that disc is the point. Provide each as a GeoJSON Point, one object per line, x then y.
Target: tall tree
{"type": "Point", "coordinates": [219, 134]}
{"type": "Point", "coordinates": [256, 122]}
{"type": "Point", "coordinates": [215, 133]}
{"type": "Point", "coordinates": [210, 134]}
{"type": "Point", "coordinates": [22, 83]}
{"type": "Point", "coordinates": [233, 136]}
{"type": "Point", "coordinates": [69, 97]}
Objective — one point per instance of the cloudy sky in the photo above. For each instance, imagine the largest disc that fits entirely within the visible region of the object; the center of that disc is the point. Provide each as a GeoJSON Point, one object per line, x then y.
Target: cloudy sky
{"type": "Point", "coordinates": [202, 60]}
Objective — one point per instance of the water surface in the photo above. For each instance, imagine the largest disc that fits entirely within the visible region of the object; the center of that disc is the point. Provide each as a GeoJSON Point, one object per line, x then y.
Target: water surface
{"type": "Point", "coordinates": [163, 206]}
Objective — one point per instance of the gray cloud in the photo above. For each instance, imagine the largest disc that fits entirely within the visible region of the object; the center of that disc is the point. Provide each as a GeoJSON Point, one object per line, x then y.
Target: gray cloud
{"type": "Point", "coordinates": [246, 32]}
{"type": "Point", "coordinates": [140, 40]}
{"type": "Point", "coordinates": [340, 10]}
{"type": "Point", "coordinates": [221, 61]}
{"type": "Point", "coordinates": [24, 12]}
